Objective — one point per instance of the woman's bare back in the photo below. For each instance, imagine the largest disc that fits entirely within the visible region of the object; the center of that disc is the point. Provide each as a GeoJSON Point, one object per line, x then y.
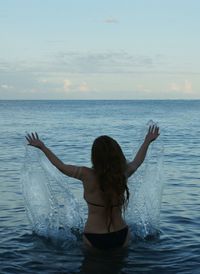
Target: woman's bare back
{"type": "Point", "coordinates": [97, 218]}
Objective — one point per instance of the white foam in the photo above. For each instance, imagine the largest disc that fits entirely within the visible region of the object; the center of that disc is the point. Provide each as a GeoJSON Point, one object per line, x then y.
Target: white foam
{"type": "Point", "coordinates": [146, 188]}
{"type": "Point", "coordinates": [51, 207]}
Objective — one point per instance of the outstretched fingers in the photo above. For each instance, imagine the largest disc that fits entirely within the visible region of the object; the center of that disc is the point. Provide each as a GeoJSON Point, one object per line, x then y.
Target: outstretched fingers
{"type": "Point", "coordinates": [157, 131]}
{"type": "Point", "coordinates": [153, 133]}
{"type": "Point", "coordinates": [27, 139]}
{"type": "Point", "coordinates": [31, 137]}
{"type": "Point", "coordinates": [151, 129]}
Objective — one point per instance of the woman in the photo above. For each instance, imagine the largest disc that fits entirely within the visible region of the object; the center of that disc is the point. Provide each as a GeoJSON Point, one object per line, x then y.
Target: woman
{"type": "Point", "coordinates": [105, 187]}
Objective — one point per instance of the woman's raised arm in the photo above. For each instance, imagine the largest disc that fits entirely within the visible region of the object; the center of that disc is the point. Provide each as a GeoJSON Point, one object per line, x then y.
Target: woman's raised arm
{"type": "Point", "coordinates": [151, 136]}
{"type": "Point", "coordinates": [69, 170]}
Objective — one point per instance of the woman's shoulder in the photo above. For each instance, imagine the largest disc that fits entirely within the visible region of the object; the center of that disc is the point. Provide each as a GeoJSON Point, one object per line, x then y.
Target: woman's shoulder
{"type": "Point", "coordinates": [87, 173]}
{"type": "Point", "coordinates": [87, 169]}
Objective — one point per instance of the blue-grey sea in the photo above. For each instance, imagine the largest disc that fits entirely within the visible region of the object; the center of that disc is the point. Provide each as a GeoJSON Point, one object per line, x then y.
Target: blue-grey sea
{"type": "Point", "coordinates": [69, 128]}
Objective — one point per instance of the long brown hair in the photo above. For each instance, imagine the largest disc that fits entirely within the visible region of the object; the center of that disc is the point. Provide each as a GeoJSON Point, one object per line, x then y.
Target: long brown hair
{"type": "Point", "coordinates": [109, 164]}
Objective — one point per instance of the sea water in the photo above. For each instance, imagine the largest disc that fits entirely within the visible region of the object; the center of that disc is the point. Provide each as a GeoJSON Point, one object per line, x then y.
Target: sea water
{"type": "Point", "coordinates": [35, 219]}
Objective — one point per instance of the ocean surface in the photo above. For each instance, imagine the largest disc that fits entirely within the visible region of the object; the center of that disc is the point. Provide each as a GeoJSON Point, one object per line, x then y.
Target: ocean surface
{"type": "Point", "coordinates": [69, 128]}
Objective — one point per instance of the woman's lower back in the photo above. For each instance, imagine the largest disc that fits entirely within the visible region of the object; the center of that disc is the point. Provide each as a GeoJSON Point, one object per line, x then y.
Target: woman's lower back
{"type": "Point", "coordinates": [97, 221]}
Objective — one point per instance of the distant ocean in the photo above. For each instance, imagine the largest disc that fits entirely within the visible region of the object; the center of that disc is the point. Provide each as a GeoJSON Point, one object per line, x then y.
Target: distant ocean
{"type": "Point", "coordinates": [69, 128]}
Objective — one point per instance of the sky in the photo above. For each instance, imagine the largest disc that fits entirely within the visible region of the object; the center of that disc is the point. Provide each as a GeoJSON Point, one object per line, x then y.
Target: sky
{"type": "Point", "coordinates": [99, 49]}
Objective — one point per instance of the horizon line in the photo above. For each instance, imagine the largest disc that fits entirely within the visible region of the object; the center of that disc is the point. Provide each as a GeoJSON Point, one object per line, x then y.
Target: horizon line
{"type": "Point", "coordinates": [149, 99]}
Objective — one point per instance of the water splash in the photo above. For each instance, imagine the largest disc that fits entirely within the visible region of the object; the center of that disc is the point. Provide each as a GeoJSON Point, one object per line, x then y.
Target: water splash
{"type": "Point", "coordinates": [55, 213]}
{"type": "Point", "coordinates": [52, 209]}
{"type": "Point", "coordinates": [146, 187]}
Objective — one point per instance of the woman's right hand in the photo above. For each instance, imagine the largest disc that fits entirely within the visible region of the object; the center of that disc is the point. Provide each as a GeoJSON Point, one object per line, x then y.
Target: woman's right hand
{"type": "Point", "coordinates": [152, 134]}
{"type": "Point", "coordinates": [33, 140]}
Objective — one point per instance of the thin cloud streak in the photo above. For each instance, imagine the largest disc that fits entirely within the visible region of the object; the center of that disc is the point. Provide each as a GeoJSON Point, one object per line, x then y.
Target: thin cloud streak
{"type": "Point", "coordinates": [111, 20]}
{"type": "Point", "coordinates": [73, 62]}
{"type": "Point", "coordinates": [102, 62]}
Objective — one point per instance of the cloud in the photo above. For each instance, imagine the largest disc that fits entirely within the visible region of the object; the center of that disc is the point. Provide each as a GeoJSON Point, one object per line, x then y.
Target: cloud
{"type": "Point", "coordinates": [43, 80]}
{"type": "Point", "coordinates": [185, 87]}
{"type": "Point", "coordinates": [175, 87]}
{"type": "Point", "coordinates": [67, 85]}
{"type": "Point", "coordinates": [142, 88]}
{"type": "Point", "coordinates": [90, 62]}
{"type": "Point", "coordinates": [84, 87]}
{"type": "Point", "coordinates": [188, 86]}
{"type": "Point", "coordinates": [75, 74]}
{"type": "Point", "coordinates": [102, 62]}
{"type": "Point", "coordinates": [6, 87]}
{"type": "Point", "coordinates": [111, 20]}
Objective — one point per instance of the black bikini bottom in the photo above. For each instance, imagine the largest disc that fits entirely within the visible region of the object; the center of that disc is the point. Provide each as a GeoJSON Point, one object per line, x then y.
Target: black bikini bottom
{"type": "Point", "coordinates": [108, 240]}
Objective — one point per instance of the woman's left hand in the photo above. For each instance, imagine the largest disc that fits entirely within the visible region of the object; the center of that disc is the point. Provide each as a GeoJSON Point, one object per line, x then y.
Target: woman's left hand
{"type": "Point", "coordinates": [33, 140]}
